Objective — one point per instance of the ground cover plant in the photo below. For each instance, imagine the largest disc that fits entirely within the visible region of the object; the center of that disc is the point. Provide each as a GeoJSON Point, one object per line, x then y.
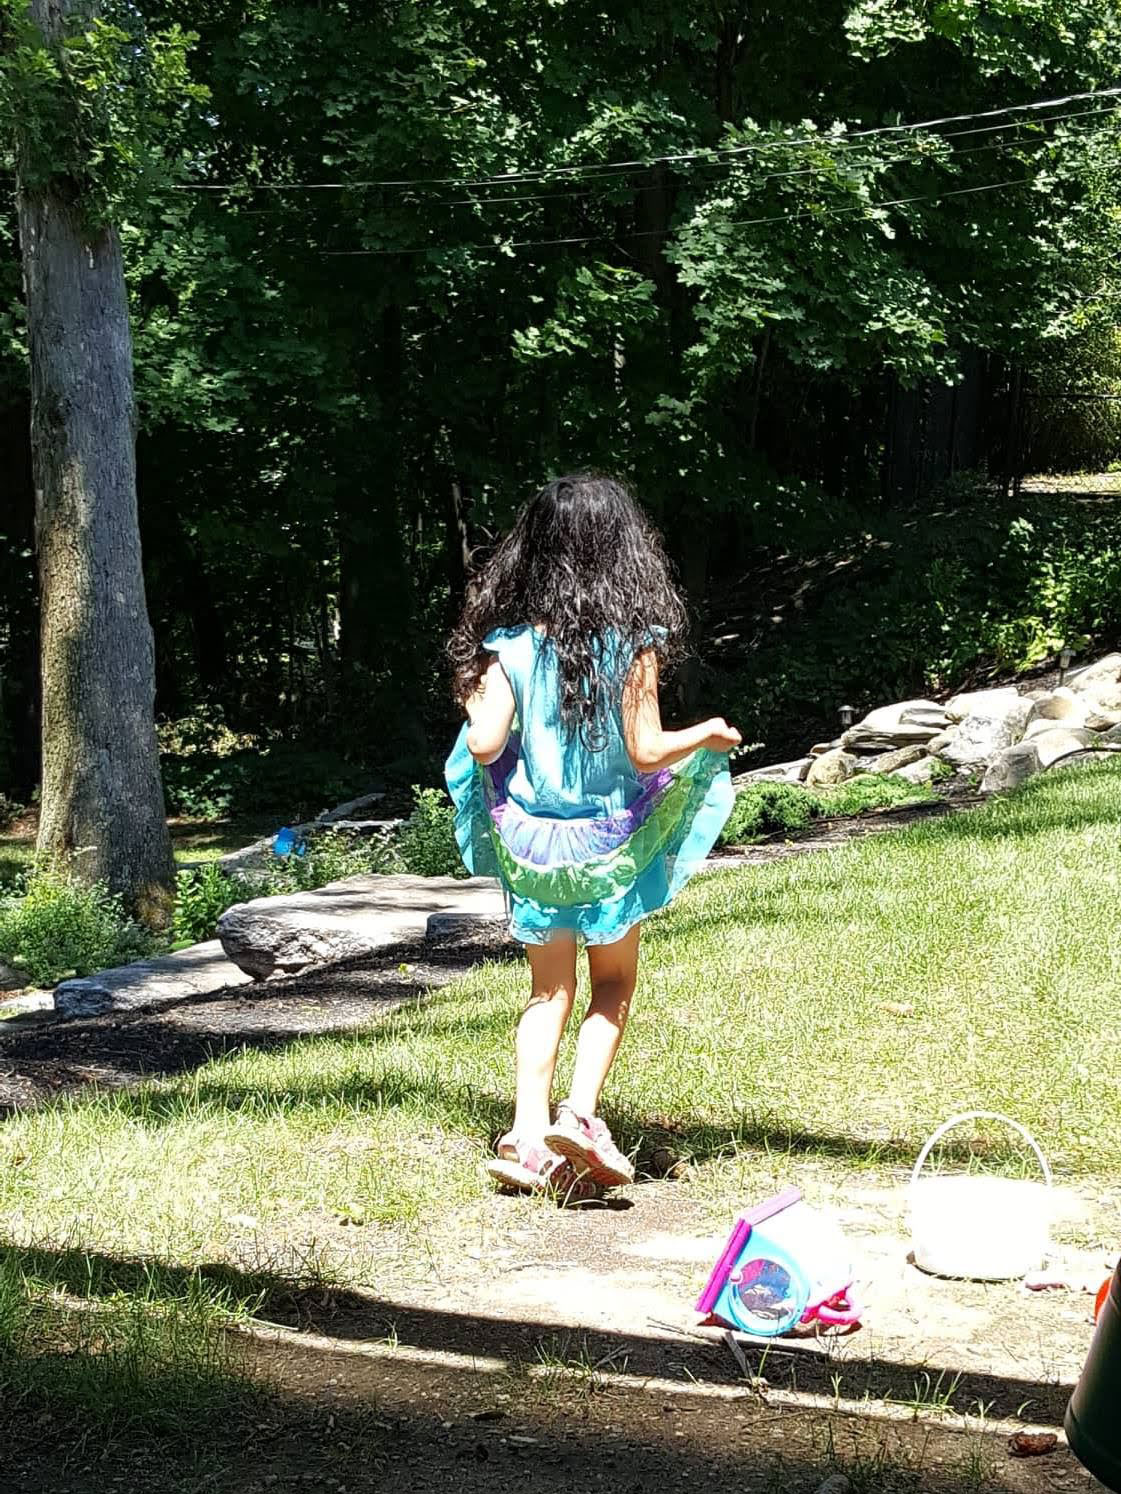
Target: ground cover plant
{"type": "Point", "coordinates": [53, 927]}
{"type": "Point", "coordinates": [763, 809]}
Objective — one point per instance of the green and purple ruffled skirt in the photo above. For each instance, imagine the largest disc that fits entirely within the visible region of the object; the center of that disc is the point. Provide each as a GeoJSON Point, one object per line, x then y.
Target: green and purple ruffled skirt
{"type": "Point", "coordinates": [594, 877]}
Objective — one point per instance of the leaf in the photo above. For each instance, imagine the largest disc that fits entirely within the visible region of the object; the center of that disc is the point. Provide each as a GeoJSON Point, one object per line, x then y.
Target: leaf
{"type": "Point", "coordinates": [1032, 1444]}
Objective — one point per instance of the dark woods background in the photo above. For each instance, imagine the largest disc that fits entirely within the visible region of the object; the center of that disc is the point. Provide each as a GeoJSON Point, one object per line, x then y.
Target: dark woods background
{"type": "Point", "coordinates": [819, 358]}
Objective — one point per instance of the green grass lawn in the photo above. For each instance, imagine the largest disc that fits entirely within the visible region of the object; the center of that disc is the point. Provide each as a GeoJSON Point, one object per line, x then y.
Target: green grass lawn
{"type": "Point", "coordinates": [192, 840]}
{"type": "Point", "coordinates": [763, 1032]}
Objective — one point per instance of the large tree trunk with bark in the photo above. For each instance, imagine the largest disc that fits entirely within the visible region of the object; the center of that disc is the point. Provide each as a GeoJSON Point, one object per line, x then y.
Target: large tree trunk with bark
{"type": "Point", "coordinates": [102, 800]}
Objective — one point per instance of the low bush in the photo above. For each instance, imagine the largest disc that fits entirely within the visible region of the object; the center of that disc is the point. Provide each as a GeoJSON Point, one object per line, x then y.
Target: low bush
{"type": "Point", "coordinates": [768, 809]}
{"type": "Point", "coordinates": [52, 927]}
{"type": "Point", "coordinates": [426, 844]}
{"type": "Point", "coordinates": [871, 791]}
{"type": "Point", "coordinates": [202, 895]}
{"type": "Point", "coordinates": [328, 857]}
{"type": "Point", "coordinates": [763, 809]}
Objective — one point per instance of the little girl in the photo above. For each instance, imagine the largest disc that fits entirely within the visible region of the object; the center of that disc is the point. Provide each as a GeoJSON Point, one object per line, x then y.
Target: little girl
{"type": "Point", "coordinates": [567, 787]}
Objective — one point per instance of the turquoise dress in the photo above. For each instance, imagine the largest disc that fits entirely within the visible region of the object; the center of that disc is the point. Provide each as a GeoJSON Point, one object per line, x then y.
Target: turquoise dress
{"type": "Point", "coordinates": [582, 843]}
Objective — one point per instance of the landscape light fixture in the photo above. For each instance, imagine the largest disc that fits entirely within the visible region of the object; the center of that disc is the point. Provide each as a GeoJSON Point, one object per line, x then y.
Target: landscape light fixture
{"type": "Point", "coordinates": [847, 717]}
{"type": "Point", "coordinates": [1064, 663]}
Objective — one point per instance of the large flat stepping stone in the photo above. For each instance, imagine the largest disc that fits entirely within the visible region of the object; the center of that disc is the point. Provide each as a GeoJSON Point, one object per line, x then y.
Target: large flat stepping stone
{"type": "Point", "coordinates": [281, 935]}
{"type": "Point", "coordinates": [175, 977]}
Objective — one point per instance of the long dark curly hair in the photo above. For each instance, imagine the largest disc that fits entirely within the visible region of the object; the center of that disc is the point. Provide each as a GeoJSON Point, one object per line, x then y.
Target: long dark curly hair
{"type": "Point", "coordinates": [584, 564]}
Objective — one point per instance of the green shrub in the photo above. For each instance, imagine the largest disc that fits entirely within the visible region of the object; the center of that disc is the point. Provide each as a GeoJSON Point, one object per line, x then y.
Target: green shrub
{"type": "Point", "coordinates": [871, 791]}
{"type": "Point", "coordinates": [423, 845]}
{"type": "Point", "coordinates": [766, 809]}
{"type": "Point", "coordinates": [329, 857]}
{"type": "Point", "coordinates": [426, 844]}
{"type": "Point", "coordinates": [202, 895]}
{"type": "Point", "coordinates": [56, 927]}
{"type": "Point", "coordinates": [780, 808]}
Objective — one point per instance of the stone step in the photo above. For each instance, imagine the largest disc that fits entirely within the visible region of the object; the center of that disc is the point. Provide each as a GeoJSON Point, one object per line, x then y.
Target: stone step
{"type": "Point", "coordinates": [356, 916]}
{"type": "Point", "coordinates": [175, 977]}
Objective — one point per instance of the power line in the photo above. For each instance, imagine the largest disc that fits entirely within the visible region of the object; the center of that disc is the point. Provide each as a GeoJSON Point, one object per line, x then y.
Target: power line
{"type": "Point", "coordinates": [710, 153]}
{"type": "Point", "coordinates": [997, 147]}
{"type": "Point", "coordinates": [609, 235]}
{"type": "Point", "coordinates": [585, 192]}
{"type": "Point", "coordinates": [593, 238]}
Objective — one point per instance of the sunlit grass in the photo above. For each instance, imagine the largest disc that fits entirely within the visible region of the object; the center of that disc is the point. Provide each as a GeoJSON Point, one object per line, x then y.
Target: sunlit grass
{"type": "Point", "coordinates": [834, 1007]}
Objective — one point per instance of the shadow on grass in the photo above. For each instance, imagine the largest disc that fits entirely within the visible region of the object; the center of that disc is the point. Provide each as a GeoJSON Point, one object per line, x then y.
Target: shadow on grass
{"type": "Point", "coordinates": [365, 1438]}
{"type": "Point", "coordinates": [47, 1059]}
{"type": "Point", "coordinates": [362, 1393]}
{"type": "Point", "coordinates": [103, 1063]}
{"type": "Point", "coordinates": [658, 1141]}
{"type": "Point", "coordinates": [118, 1052]}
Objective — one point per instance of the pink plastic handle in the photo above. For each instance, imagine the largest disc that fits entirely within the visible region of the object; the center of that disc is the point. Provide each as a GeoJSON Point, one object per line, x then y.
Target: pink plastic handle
{"type": "Point", "coordinates": [841, 1310]}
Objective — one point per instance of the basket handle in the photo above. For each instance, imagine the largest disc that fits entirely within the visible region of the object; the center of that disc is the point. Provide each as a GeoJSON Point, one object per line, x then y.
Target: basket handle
{"type": "Point", "coordinates": [966, 1115]}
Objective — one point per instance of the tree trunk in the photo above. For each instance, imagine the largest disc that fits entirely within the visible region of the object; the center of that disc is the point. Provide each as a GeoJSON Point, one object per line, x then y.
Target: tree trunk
{"type": "Point", "coordinates": [102, 801]}
{"type": "Point", "coordinates": [457, 548]}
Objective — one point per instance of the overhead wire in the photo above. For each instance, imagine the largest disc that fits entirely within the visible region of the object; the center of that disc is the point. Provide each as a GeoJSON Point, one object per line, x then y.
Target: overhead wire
{"type": "Point", "coordinates": [704, 154]}
{"type": "Point", "coordinates": [626, 237]}
{"type": "Point", "coordinates": [1031, 142]}
{"type": "Point", "coordinates": [817, 212]}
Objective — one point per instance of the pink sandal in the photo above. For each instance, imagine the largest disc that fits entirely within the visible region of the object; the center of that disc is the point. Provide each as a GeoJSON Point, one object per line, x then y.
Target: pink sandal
{"type": "Point", "coordinates": [525, 1166]}
{"type": "Point", "coordinates": [533, 1168]}
{"type": "Point", "coordinates": [585, 1142]}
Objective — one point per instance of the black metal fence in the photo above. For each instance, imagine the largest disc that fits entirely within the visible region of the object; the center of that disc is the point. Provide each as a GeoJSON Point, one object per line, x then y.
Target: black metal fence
{"type": "Point", "coordinates": [1066, 439]}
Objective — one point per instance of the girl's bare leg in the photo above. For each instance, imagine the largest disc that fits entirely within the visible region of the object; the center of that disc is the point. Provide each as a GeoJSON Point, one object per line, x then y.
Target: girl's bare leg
{"type": "Point", "coordinates": [553, 970]}
{"type": "Point", "coordinates": [613, 969]}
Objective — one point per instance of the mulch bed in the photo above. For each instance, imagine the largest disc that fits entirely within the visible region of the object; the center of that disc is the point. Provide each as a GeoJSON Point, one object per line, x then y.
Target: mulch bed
{"type": "Point", "coordinates": [43, 1055]}
{"type": "Point", "coordinates": [830, 832]}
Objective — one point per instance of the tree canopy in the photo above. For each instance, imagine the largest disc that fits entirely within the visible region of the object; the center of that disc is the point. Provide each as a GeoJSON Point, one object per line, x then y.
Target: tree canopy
{"type": "Point", "coordinates": [392, 265]}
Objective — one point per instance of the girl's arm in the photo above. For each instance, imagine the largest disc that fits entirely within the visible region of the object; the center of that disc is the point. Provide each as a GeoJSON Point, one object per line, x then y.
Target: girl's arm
{"type": "Point", "coordinates": [651, 748]}
{"type": "Point", "coordinates": [490, 711]}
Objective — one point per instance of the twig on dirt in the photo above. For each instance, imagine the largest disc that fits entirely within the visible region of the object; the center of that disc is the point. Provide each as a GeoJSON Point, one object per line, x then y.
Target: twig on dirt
{"type": "Point", "coordinates": [676, 1328]}
{"type": "Point", "coordinates": [737, 1354]}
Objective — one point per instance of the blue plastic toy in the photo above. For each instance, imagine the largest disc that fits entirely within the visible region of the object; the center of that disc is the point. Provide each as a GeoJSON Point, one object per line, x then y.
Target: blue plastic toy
{"type": "Point", "coordinates": [287, 843]}
{"type": "Point", "coordinates": [783, 1266]}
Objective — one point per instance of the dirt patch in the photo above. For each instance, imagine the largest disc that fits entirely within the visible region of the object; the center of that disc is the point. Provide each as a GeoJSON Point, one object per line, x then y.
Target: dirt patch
{"type": "Point", "coordinates": [557, 1351]}
{"type": "Point", "coordinates": [621, 1280]}
{"type": "Point", "coordinates": [363, 1434]}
